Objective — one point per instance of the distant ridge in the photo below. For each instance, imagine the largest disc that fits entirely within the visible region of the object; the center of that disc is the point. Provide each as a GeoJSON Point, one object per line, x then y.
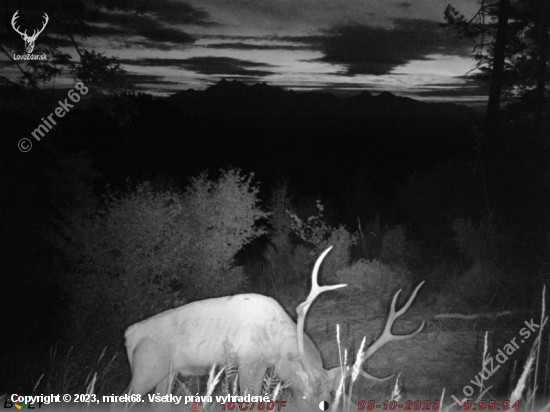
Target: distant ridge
{"type": "Point", "coordinates": [260, 98]}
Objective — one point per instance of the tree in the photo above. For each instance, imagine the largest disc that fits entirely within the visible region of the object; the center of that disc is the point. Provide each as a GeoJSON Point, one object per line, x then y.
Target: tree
{"type": "Point", "coordinates": [511, 51]}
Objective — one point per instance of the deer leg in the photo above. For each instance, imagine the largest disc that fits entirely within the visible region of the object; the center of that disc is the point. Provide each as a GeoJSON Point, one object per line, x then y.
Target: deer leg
{"type": "Point", "coordinates": [164, 387]}
{"type": "Point", "coordinates": [150, 368]}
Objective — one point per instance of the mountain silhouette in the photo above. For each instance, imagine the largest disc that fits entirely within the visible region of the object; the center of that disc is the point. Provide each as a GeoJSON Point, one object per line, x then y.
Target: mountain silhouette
{"type": "Point", "coordinates": [242, 99]}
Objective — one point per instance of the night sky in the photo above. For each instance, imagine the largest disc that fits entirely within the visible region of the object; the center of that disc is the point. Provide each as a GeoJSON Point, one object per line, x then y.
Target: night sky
{"type": "Point", "coordinates": [339, 45]}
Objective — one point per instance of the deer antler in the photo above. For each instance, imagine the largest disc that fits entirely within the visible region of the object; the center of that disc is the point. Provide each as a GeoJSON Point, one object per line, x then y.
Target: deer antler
{"type": "Point", "coordinates": [303, 307]}
{"type": "Point", "coordinates": [387, 335]}
{"type": "Point", "coordinates": [46, 20]}
{"type": "Point", "coordinates": [13, 22]}
{"type": "Point", "coordinates": [35, 32]}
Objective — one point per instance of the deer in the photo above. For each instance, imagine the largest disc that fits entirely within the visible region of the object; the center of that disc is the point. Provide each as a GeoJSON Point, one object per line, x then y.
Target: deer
{"type": "Point", "coordinates": [29, 40]}
{"type": "Point", "coordinates": [189, 340]}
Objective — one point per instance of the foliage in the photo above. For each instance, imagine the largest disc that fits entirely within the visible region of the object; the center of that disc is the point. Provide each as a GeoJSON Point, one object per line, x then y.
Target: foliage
{"type": "Point", "coordinates": [523, 42]}
{"type": "Point", "coordinates": [278, 253]}
{"type": "Point", "coordinates": [375, 281]}
{"type": "Point", "coordinates": [145, 251]}
{"type": "Point", "coordinates": [222, 215]}
{"type": "Point", "coordinates": [479, 286]}
{"type": "Point", "coordinates": [396, 248]}
{"type": "Point", "coordinates": [291, 263]}
{"type": "Point", "coordinates": [71, 179]}
{"type": "Point", "coordinates": [475, 243]}
{"type": "Point", "coordinates": [433, 199]}
{"type": "Point", "coordinates": [99, 72]}
{"type": "Point", "coordinates": [369, 237]}
{"type": "Point", "coordinates": [317, 232]}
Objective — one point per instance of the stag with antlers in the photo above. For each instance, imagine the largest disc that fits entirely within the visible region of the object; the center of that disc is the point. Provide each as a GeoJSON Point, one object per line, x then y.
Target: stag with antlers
{"type": "Point", "coordinates": [29, 40]}
{"type": "Point", "coordinates": [190, 339]}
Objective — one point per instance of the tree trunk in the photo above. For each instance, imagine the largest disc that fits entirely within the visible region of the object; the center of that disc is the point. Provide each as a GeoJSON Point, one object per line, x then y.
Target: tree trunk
{"type": "Point", "coordinates": [542, 21]}
{"type": "Point", "coordinates": [493, 106]}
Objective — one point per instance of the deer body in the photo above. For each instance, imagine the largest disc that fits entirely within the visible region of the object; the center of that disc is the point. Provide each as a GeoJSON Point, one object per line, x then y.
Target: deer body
{"type": "Point", "coordinates": [190, 339]}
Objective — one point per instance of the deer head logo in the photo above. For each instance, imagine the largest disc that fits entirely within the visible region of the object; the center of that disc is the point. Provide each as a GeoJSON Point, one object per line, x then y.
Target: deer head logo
{"type": "Point", "coordinates": [29, 40]}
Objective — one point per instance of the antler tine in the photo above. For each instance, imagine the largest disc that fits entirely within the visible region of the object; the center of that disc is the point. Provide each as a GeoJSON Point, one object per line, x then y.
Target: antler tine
{"type": "Point", "coordinates": [37, 32]}
{"type": "Point", "coordinates": [14, 22]}
{"type": "Point", "coordinates": [303, 307]}
{"type": "Point", "coordinates": [387, 335]}
{"type": "Point", "coordinates": [46, 20]}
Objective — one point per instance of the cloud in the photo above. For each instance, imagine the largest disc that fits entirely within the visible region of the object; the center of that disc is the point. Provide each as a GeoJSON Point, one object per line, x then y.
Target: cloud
{"type": "Point", "coordinates": [253, 46]}
{"type": "Point", "coordinates": [377, 50]}
{"type": "Point", "coordinates": [147, 27]}
{"type": "Point", "coordinates": [225, 66]}
{"type": "Point", "coordinates": [149, 79]}
{"type": "Point", "coordinates": [208, 65]}
{"type": "Point", "coordinates": [177, 12]}
{"type": "Point", "coordinates": [403, 5]}
{"type": "Point", "coordinates": [156, 21]}
{"type": "Point", "coordinates": [144, 45]}
{"type": "Point", "coordinates": [153, 30]}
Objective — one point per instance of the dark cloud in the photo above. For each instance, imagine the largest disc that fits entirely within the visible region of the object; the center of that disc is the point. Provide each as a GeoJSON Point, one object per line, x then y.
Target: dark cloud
{"type": "Point", "coordinates": [150, 28]}
{"type": "Point", "coordinates": [250, 80]}
{"type": "Point", "coordinates": [225, 66]}
{"type": "Point", "coordinates": [210, 65]}
{"type": "Point", "coordinates": [252, 46]}
{"type": "Point", "coordinates": [403, 5]}
{"type": "Point", "coordinates": [149, 79]}
{"type": "Point", "coordinates": [153, 30]}
{"type": "Point", "coordinates": [147, 26]}
{"type": "Point", "coordinates": [378, 50]}
{"type": "Point", "coordinates": [150, 62]}
{"type": "Point", "coordinates": [151, 20]}
{"type": "Point", "coordinates": [234, 37]}
{"type": "Point", "coordinates": [177, 12]}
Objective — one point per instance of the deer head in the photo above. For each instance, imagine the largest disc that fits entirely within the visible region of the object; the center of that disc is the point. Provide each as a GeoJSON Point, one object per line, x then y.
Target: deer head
{"type": "Point", "coordinates": [190, 339]}
{"type": "Point", "coordinates": [29, 40]}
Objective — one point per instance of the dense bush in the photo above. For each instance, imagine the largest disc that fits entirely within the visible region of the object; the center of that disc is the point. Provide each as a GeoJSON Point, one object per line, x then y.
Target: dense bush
{"type": "Point", "coordinates": [144, 251]}
{"type": "Point", "coordinates": [375, 282]}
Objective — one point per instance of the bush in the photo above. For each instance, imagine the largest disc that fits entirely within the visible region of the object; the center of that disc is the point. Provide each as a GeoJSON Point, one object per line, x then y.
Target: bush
{"type": "Point", "coordinates": [144, 251]}
{"type": "Point", "coordinates": [479, 286]}
{"type": "Point", "coordinates": [222, 216]}
{"type": "Point", "coordinates": [278, 253]}
{"type": "Point", "coordinates": [432, 200]}
{"type": "Point", "coordinates": [476, 243]}
{"type": "Point", "coordinates": [317, 232]}
{"type": "Point", "coordinates": [396, 248]}
{"type": "Point", "coordinates": [375, 281]}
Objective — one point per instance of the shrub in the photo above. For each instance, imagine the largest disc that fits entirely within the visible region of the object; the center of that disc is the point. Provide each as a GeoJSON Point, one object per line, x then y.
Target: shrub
{"type": "Point", "coordinates": [278, 253]}
{"type": "Point", "coordinates": [475, 242]}
{"type": "Point", "coordinates": [145, 251]}
{"type": "Point", "coordinates": [222, 216]}
{"type": "Point", "coordinates": [375, 281]}
{"type": "Point", "coordinates": [479, 286]}
{"type": "Point", "coordinates": [317, 232]}
{"type": "Point", "coordinates": [396, 248]}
